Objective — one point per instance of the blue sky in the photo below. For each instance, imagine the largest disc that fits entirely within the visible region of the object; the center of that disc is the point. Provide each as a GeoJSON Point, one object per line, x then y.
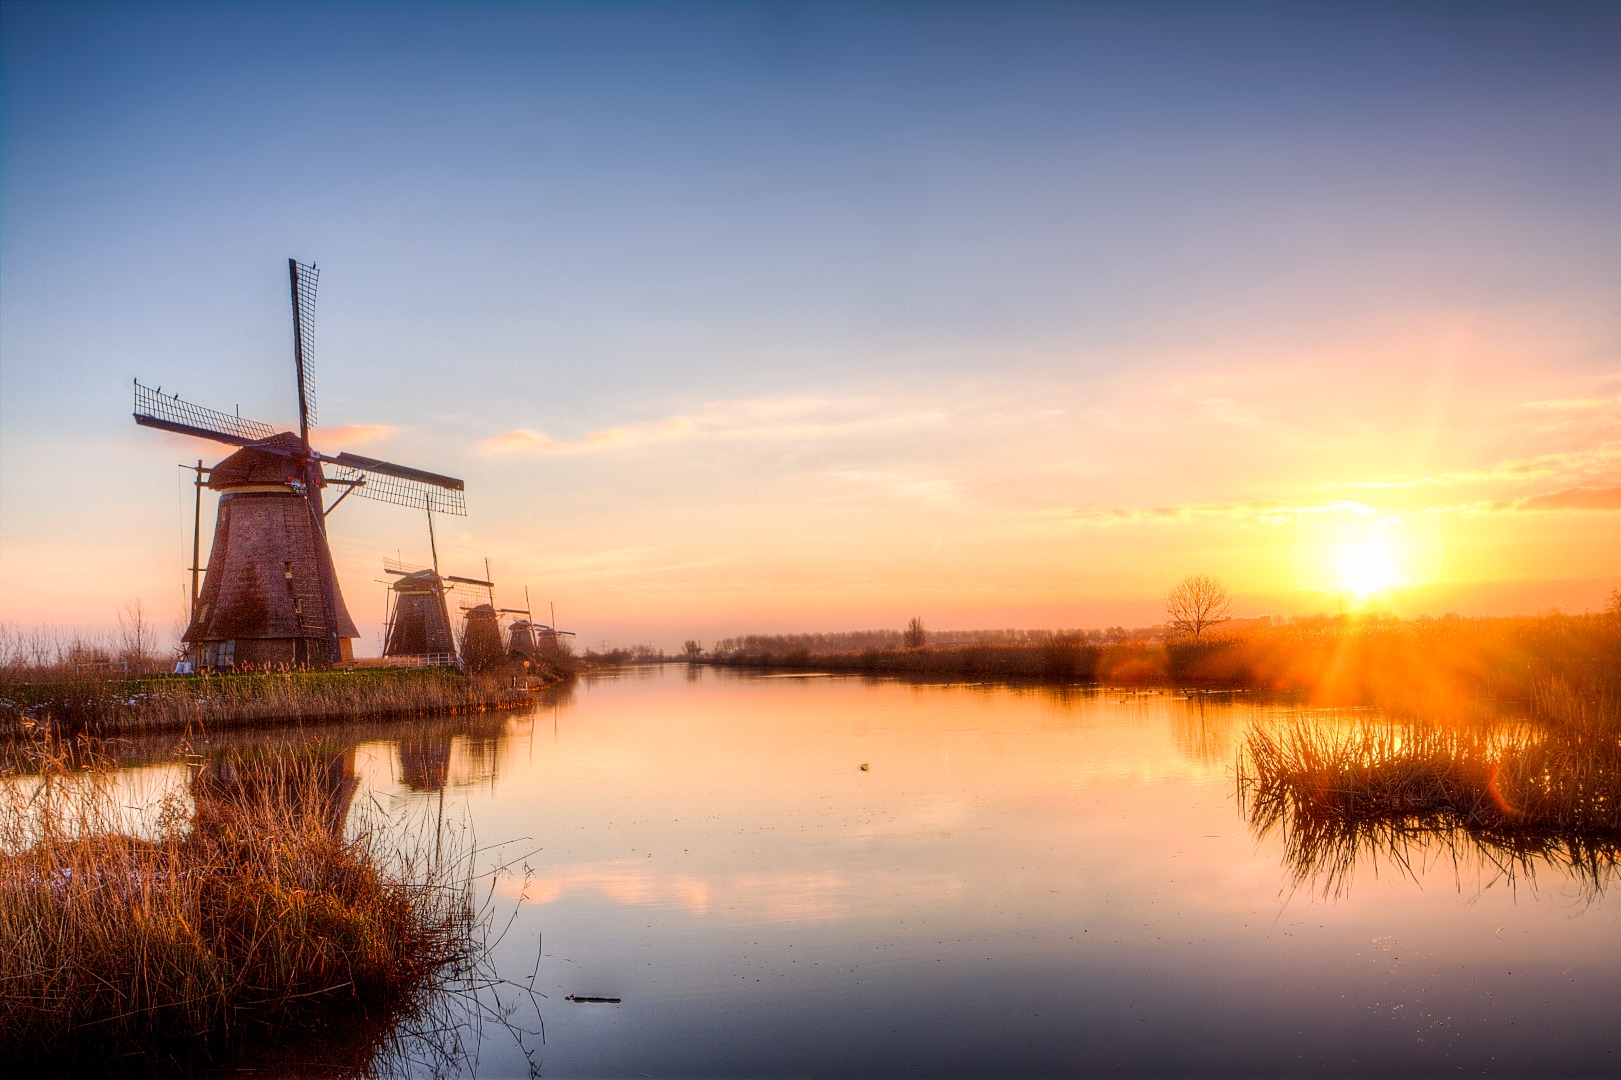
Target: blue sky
{"type": "Point", "coordinates": [775, 304]}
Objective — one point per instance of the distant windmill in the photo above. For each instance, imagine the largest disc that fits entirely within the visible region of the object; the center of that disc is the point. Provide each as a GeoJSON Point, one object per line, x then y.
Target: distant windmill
{"type": "Point", "coordinates": [530, 640]}
{"type": "Point", "coordinates": [419, 628]}
{"type": "Point", "coordinates": [271, 595]}
{"type": "Point", "coordinates": [481, 636]}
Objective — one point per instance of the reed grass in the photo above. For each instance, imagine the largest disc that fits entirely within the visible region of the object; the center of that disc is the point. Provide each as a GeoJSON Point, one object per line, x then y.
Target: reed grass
{"type": "Point", "coordinates": [1066, 658]}
{"type": "Point", "coordinates": [1512, 794]}
{"type": "Point", "coordinates": [97, 703]}
{"type": "Point", "coordinates": [210, 932]}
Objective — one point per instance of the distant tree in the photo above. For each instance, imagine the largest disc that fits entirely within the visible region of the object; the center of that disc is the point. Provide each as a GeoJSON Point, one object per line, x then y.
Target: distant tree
{"type": "Point", "coordinates": [1198, 603]}
{"type": "Point", "coordinates": [135, 636]}
{"type": "Point", "coordinates": [692, 649]}
{"type": "Point", "coordinates": [915, 635]}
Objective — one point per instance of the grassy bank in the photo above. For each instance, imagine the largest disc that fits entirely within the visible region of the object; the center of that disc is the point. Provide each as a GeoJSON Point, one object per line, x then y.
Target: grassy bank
{"type": "Point", "coordinates": [1552, 666]}
{"type": "Point", "coordinates": [102, 702]}
{"type": "Point", "coordinates": [211, 931]}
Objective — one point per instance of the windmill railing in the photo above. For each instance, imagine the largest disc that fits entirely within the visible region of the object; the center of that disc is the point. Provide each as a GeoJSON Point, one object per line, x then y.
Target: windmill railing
{"type": "Point", "coordinates": [421, 660]}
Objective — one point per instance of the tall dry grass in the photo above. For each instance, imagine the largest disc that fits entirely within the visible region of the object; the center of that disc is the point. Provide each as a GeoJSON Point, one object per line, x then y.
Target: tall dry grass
{"type": "Point", "coordinates": [223, 926]}
{"type": "Point", "coordinates": [1513, 795]}
{"type": "Point", "coordinates": [104, 703]}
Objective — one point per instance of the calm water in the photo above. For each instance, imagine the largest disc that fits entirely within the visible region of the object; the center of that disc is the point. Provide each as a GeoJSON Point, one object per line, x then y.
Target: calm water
{"type": "Point", "coordinates": [1019, 882]}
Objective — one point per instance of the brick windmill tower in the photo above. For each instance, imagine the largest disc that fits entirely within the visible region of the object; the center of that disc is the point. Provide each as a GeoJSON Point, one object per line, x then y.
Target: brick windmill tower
{"type": "Point", "coordinates": [271, 596]}
{"type": "Point", "coordinates": [419, 628]}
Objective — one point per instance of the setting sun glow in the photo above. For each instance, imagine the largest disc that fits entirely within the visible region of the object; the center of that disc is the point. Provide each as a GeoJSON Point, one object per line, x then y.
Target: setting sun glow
{"type": "Point", "coordinates": [1359, 553]}
{"type": "Point", "coordinates": [1368, 565]}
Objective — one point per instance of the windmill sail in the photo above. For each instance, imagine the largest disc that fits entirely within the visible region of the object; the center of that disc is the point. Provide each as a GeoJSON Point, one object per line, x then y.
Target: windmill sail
{"type": "Point", "coordinates": [169, 413]}
{"type": "Point", "coordinates": [304, 280]}
{"type": "Point", "coordinates": [401, 485]}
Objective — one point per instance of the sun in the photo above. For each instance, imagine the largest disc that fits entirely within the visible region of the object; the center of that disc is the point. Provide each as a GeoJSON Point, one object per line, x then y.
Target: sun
{"type": "Point", "coordinates": [1358, 553]}
{"type": "Point", "coordinates": [1368, 565]}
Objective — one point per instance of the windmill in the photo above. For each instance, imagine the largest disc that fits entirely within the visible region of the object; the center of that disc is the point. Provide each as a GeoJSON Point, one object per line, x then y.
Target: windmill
{"type": "Point", "coordinates": [270, 595]}
{"type": "Point", "coordinates": [530, 640]}
{"type": "Point", "coordinates": [419, 628]}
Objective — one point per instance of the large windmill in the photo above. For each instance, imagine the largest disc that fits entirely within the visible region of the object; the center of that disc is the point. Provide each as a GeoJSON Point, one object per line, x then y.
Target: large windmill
{"type": "Point", "coordinates": [271, 594]}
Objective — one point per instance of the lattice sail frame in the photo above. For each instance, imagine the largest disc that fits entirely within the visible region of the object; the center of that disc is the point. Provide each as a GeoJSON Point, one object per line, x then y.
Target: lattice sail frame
{"type": "Point", "coordinates": [176, 415]}
{"type": "Point", "coordinates": [386, 482]}
{"type": "Point", "coordinates": [305, 281]}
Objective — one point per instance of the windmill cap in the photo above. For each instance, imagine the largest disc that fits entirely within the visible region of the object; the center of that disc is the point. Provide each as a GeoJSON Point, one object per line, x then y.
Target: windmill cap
{"type": "Point", "coordinates": [276, 460]}
{"type": "Point", "coordinates": [417, 581]}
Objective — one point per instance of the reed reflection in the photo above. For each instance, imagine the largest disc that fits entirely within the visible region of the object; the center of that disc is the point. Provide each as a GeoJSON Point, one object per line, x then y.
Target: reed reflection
{"type": "Point", "coordinates": [316, 784]}
{"type": "Point", "coordinates": [1506, 800]}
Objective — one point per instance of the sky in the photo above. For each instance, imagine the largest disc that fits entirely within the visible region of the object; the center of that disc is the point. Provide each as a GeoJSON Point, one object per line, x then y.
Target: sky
{"type": "Point", "coordinates": [779, 317]}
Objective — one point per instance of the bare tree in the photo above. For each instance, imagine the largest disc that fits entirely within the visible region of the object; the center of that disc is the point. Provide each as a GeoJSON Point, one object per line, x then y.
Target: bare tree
{"type": "Point", "coordinates": [692, 649]}
{"type": "Point", "coordinates": [135, 636]}
{"type": "Point", "coordinates": [916, 636]}
{"type": "Point", "coordinates": [1198, 603]}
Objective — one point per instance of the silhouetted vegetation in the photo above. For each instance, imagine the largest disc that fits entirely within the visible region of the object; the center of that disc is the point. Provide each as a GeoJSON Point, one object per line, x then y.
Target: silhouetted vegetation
{"type": "Point", "coordinates": [633, 654]}
{"type": "Point", "coordinates": [1196, 604]}
{"type": "Point", "coordinates": [1546, 667]}
{"type": "Point", "coordinates": [915, 636]}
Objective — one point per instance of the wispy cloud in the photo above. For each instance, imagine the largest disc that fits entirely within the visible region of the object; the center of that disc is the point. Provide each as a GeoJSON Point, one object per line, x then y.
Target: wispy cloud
{"type": "Point", "coordinates": [1600, 464]}
{"type": "Point", "coordinates": [897, 484]}
{"type": "Point", "coordinates": [1563, 499]}
{"type": "Point", "coordinates": [1264, 512]}
{"type": "Point", "coordinates": [1575, 404]}
{"type": "Point", "coordinates": [346, 435]}
{"type": "Point", "coordinates": [779, 419]}
{"type": "Point", "coordinates": [1576, 498]}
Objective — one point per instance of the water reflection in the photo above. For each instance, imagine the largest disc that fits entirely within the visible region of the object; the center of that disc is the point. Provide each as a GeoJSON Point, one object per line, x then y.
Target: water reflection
{"type": "Point", "coordinates": [1322, 852]}
{"type": "Point", "coordinates": [1026, 879]}
{"type": "Point", "coordinates": [425, 762]}
{"type": "Point", "coordinates": [1496, 802]}
{"type": "Point", "coordinates": [1203, 729]}
{"type": "Point", "coordinates": [316, 783]}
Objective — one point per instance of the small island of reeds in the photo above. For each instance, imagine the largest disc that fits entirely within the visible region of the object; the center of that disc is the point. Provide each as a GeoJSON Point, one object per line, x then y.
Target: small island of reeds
{"type": "Point", "coordinates": [1514, 794]}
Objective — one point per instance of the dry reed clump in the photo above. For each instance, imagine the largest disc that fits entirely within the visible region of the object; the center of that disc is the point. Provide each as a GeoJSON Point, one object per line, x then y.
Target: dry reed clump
{"type": "Point", "coordinates": [228, 928]}
{"type": "Point", "coordinates": [1512, 793]}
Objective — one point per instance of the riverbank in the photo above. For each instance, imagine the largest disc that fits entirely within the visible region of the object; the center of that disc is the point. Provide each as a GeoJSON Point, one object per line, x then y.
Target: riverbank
{"type": "Point", "coordinates": [1547, 668]}
{"type": "Point", "coordinates": [215, 931]}
{"type": "Point", "coordinates": [97, 702]}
